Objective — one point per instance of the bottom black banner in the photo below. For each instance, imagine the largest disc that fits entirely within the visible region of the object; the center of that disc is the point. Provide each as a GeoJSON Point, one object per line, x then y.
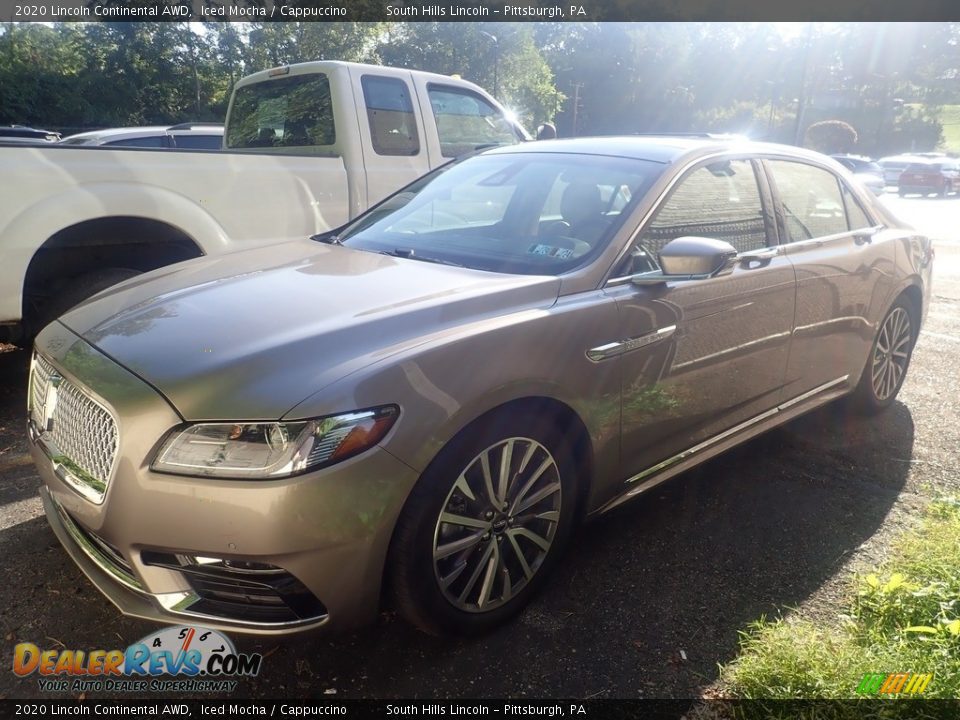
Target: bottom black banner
{"type": "Point", "coordinates": [593, 709]}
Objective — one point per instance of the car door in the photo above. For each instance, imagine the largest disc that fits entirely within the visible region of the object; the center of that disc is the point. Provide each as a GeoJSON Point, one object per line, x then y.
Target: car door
{"type": "Point", "coordinates": [844, 265]}
{"type": "Point", "coordinates": [391, 131]}
{"type": "Point", "coordinates": [699, 357]}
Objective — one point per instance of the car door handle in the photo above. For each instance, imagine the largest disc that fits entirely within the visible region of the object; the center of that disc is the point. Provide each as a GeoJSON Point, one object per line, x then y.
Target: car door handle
{"type": "Point", "coordinates": [865, 236]}
{"type": "Point", "coordinates": [760, 257]}
{"type": "Point", "coordinates": [764, 254]}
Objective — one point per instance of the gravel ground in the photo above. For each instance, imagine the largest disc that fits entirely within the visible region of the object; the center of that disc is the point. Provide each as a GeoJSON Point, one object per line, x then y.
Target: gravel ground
{"type": "Point", "coordinates": [776, 524]}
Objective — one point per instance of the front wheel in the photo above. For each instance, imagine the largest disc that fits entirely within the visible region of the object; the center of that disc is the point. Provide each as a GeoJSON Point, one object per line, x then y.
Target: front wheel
{"type": "Point", "coordinates": [483, 527]}
{"type": "Point", "coordinates": [889, 359]}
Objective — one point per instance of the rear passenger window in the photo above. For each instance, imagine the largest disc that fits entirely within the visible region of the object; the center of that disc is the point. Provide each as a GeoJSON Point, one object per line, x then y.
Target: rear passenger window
{"type": "Point", "coordinates": [393, 125]}
{"type": "Point", "coordinates": [198, 142]}
{"type": "Point", "coordinates": [466, 122]}
{"type": "Point", "coordinates": [812, 203]}
{"type": "Point", "coordinates": [855, 215]}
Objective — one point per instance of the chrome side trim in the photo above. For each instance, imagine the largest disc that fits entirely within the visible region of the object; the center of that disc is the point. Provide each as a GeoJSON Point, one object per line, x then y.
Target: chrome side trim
{"type": "Point", "coordinates": [736, 429]}
{"type": "Point", "coordinates": [736, 348]}
{"type": "Point", "coordinates": [95, 553]}
{"type": "Point", "coordinates": [668, 468]}
{"type": "Point", "coordinates": [604, 352]}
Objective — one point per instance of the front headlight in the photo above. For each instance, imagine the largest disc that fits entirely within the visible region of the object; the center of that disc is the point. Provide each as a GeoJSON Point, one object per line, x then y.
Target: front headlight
{"type": "Point", "coordinates": [272, 450]}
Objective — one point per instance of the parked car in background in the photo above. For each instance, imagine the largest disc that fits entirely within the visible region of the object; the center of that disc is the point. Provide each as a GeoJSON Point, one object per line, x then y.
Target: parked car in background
{"type": "Point", "coordinates": [896, 164]}
{"type": "Point", "coordinates": [185, 136]}
{"type": "Point", "coordinates": [865, 170]}
{"type": "Point", "coordinates": [425, 400]}
{"type": "Point", "coordinates": [940, 176]}
{"type": "Point", "coordinates": [22, 133]}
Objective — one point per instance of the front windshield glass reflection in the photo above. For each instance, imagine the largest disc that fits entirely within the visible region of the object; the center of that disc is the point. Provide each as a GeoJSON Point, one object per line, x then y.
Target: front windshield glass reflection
{"type": "Point", "coordinates": [525, 213]}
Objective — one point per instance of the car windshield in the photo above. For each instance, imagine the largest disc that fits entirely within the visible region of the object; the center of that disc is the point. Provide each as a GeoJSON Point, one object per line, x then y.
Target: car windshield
{"type": "Point", "coordinates": [923, 168]}
{"type": "Point", "coordinates": [528, 213]}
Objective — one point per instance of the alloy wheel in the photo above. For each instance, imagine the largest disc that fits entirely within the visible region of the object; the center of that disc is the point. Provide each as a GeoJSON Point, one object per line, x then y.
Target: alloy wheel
{"type": "Point", "coordinates": [497, 524]}
{"type": "Point", "coordinates": [891, 354]}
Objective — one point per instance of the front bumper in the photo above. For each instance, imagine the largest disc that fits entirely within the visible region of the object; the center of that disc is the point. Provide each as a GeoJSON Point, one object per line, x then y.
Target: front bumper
{"type": "Point", "coordinates": [325, 534]}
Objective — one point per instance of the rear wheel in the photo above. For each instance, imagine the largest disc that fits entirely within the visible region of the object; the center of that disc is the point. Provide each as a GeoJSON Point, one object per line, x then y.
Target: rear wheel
{"type": "Point", "coordinates": [483, 527]}
{"type": "Point", "coordinates": [889, 359]}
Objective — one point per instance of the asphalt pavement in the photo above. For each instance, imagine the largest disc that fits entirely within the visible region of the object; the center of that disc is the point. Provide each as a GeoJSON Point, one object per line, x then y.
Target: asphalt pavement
{"type": "Point", "coordinates": [649, 598]}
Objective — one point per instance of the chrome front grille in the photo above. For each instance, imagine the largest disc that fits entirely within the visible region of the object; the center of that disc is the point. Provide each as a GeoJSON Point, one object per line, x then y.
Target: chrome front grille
{"type": "Point", "coordinates": [79, 434]}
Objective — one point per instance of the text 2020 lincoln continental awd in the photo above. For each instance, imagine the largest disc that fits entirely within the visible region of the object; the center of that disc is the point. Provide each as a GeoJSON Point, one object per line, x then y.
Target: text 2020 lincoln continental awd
{"type": "Point", "coordinates": [422, 403]}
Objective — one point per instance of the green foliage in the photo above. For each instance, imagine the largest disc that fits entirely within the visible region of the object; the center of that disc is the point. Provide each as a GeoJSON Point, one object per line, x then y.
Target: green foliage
{"type": "Point", "coordinates": [903, 618]}
{"type": "Point", "coordinates": [590, 78]}
{"type": "Point", "coordinates": [950, 122]}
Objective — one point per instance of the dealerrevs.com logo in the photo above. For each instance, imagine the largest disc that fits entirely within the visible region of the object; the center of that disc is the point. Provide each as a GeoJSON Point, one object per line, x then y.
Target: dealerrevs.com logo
{"type": "Point", "coordinates": [204, 660]}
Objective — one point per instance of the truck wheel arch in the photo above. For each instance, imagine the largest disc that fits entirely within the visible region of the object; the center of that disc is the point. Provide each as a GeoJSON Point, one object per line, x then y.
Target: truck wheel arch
{"type": "Point", "coordinates": [96, 245]}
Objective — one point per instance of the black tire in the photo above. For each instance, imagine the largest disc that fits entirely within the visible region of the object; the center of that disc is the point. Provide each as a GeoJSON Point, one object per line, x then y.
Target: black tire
{"type": "Point", "coordinates": [872, 396]}
{"type": "Point", "coordinates": [77, 290]}
{"type": "Point", "coordinates": [414, 574]}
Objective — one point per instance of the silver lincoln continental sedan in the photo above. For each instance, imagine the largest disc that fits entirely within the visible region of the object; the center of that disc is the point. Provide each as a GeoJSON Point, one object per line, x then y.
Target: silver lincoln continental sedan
{"type": "Point", "coordinates": [417, 408]}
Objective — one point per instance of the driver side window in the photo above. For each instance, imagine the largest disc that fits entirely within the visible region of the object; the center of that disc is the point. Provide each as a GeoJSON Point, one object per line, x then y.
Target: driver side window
{"type": "Point", "coordinates": [720, 200]}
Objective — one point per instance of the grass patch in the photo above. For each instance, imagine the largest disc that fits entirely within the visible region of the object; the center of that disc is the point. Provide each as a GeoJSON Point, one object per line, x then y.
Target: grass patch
{"type": "Point", "coordinates": [950, 117]}
{"type": "Point", "coordinates": [903, 618]}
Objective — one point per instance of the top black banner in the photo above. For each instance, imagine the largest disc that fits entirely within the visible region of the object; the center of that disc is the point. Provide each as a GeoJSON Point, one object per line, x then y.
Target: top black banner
{"type": "Point", "coordinates": [474, 10]}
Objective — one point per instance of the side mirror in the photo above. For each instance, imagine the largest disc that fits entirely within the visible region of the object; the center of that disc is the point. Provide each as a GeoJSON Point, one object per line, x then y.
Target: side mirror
{"type": "Point", "coordinates": [688, 258]}
{"type": "Point", "coordinates": [697, 256]}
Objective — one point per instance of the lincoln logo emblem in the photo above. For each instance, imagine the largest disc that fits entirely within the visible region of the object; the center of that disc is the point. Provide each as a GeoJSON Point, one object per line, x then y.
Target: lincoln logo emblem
{"type": "Point", "coordinates": [50, 405]}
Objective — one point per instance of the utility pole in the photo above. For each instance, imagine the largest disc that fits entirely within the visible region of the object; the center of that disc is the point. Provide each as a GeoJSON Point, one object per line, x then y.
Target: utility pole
{"type": "Point", "coordinates": [576, 107]}
{"type": "Point", "coordinates": [496, 62]}
{"type": "Point", "coordinates": [802, 97]}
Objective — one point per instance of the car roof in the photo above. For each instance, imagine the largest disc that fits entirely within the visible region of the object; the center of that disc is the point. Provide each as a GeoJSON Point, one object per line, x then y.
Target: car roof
{"type": "Point", "coordinates": [901, 158]}
{"type": "Point", "coordinates": [315, 66]}
{"type": "Point", "coordinates": [144, 131]}
{"type": "Point", "coordinates": [658, 148]}
{"type": "Point", "coordinates": [22, 131]}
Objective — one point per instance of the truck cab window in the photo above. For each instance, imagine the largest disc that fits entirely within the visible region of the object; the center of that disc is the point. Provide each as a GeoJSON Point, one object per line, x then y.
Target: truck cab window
{"type": "Point", "coordinates": [393, 125]}
{"type": "Point", "coordinates": [289, 112]}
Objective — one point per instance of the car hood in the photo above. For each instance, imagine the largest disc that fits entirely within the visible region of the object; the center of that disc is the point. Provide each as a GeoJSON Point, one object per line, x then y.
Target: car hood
{"type": "Point", "coordinates": [248, 335]}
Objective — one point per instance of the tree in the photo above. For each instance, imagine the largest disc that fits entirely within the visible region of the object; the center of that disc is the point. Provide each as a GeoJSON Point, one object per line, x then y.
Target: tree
{"type": "Point", "coordinates": [831, 137]}
{"type": "Point", "coordinates": [504, 54]}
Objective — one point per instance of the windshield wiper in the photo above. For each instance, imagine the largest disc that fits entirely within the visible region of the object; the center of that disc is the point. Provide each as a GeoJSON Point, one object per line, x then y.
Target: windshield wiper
{"type": "Point", "coordinates": [410, 254]}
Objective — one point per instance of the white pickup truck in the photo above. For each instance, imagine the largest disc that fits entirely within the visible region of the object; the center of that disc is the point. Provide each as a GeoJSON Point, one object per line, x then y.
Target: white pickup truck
{"type": "Point", "coordinates": [306, 148]}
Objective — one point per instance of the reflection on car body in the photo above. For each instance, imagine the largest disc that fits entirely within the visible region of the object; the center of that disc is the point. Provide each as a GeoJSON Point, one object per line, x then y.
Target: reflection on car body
{"type": "Point", "coordinates": [426, 400]}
